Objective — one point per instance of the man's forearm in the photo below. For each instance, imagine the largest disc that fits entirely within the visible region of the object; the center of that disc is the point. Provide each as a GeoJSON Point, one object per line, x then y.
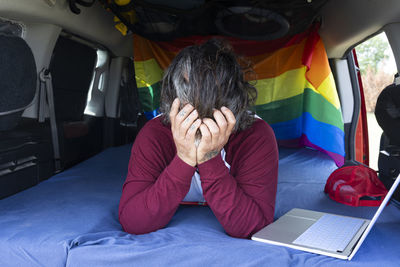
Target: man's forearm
{"type": "Point", "coordinates": [147, 206]}
{"type": "Point", "coordinates": [237, 211]}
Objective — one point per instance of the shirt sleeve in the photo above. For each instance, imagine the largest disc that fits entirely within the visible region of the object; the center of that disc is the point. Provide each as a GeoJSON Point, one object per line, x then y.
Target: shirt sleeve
{"type": "Point", "coordinates": [155, 184]}
{"type": "Point", "coordinates": [243, 199]}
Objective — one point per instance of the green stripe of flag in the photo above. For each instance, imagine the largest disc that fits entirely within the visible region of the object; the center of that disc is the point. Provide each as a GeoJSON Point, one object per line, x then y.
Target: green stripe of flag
{"type": "Point", "coordinates": [293, 107]}
{"type": "Point", "coordinates": [150, 96]}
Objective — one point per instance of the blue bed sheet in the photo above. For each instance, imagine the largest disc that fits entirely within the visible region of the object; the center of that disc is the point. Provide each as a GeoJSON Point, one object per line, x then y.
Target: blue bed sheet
{"type": "Point", "coordinates": [39, 226]}
{"type": "Point", "coordinates": [72, 220]}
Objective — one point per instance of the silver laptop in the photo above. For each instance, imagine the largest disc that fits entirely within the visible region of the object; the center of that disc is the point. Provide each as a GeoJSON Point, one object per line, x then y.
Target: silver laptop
{"type": "Point", "coordinates": [321, 233]}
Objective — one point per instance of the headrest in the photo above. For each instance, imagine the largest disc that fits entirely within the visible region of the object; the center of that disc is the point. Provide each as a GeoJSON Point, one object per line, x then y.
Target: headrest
{"type": "Point", "coordinates": [387, 113]}
{"type": "Point", "coordinates": [17, 79]}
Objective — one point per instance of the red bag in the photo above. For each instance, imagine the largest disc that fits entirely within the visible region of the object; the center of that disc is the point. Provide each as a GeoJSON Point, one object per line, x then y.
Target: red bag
{"type": "Point", "coordinates": [355, 186]}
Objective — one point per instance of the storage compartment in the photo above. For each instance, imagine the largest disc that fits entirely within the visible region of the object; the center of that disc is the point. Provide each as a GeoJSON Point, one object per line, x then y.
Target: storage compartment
{"type": "Point", "coordinates": [23, 165]}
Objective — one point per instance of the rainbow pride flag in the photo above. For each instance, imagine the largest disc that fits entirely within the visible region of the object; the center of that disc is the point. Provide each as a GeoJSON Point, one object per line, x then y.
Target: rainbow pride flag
{"type": "Point", "coordinates": [296, 91]}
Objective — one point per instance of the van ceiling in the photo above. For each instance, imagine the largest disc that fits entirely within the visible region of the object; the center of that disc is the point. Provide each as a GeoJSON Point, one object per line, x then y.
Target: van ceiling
{"type": "Point", "coordinates": [344, 23]}
{"type": "Point", "coordinates": [347, 23]}
{"type": "Point", "coordinates": [251, 20]}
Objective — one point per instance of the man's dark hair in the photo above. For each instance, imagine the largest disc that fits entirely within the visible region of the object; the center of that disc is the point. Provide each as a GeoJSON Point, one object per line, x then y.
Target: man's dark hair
{"type": "Point", "coordinates": [209, 76]}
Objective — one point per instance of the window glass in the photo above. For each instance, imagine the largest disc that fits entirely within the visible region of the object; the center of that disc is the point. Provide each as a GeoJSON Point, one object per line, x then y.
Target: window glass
{"type": "Point", "coordinates": [378, 67]}
{"type": "Point", "coordinates": [71, 67]}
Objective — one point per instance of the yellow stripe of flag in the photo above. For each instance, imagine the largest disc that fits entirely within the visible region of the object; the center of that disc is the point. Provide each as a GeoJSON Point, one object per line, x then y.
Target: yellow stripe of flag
{"type": "Point", "coordinates": [147, 73]}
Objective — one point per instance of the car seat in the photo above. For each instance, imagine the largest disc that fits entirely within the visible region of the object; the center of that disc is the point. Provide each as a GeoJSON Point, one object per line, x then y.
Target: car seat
{"type": "Point", "coordinates": [25, 156]}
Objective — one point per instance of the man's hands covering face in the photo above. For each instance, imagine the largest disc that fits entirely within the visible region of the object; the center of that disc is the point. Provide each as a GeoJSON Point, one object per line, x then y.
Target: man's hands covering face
{"type": "Point", "coordinates": [215, 134]}
{"type": "Point", "coordinates": [184, 124]}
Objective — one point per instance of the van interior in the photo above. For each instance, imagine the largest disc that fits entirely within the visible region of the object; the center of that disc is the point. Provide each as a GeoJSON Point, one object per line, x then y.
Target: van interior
{"type": "Point", "coordinates": [73, 100]}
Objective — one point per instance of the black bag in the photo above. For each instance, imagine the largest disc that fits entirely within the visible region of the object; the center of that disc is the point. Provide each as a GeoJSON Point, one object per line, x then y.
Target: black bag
{"type": "Point", "coordinates": [389, 166]}
{"type": "Point", "coordinates": [387, 112]}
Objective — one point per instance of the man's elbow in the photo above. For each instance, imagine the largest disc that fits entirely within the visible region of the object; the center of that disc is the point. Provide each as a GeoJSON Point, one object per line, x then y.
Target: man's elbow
{"type": "Point", "coordinates": [249, 231]}
{"type": "Point", "coordinates": [133, 225]}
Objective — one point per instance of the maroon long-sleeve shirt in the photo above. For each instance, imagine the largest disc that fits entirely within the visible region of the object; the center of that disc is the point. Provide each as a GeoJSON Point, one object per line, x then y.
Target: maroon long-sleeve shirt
{"type": "Point", "coordinates": [242, 198]}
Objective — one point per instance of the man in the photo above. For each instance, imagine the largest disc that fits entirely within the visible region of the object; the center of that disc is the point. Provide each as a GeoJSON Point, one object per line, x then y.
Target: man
{"type": "Point", "coordinates": [206, 146]}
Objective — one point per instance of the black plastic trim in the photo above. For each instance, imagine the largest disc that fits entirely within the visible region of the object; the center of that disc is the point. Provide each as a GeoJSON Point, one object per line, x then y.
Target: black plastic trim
{"type": "Point", "coordinates": [351, 137]}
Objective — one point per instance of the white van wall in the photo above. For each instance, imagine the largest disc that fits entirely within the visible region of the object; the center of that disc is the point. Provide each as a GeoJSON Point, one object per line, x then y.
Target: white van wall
{"type": "Point", "coordinates": [393, 34]}
{"type": "Point", "coordinates": [347, 96]}
{"type": "Point", "coordinates": [343, 84]}
{"type": "Point", "coordinates": [94, 23]}
{"type": "Point", "coordinates": [98, 86]}
{"type": "Point", "coordinates": [42, 39]}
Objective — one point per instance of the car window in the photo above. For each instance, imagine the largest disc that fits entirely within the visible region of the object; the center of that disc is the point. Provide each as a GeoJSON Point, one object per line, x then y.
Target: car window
{"type": "Point", "coordinates": [378, 67]}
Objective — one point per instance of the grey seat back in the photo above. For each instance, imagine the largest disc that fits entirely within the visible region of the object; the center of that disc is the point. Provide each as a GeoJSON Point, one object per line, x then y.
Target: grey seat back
{"type": "Point", "coordinates": [17, 80]}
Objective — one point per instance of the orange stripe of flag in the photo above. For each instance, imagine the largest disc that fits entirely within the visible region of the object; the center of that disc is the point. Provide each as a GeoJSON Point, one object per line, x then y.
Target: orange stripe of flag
{"type": "Point", "coordinates": [144, 49]}
{"type": "Point", "coordinates": [265, 65]}
{"type": "Point", "coordinates": [279, 62]}
{"type": "Point", "coordinates": [241, 47]}
{"type": "Point", "coordinates": [319, 66]}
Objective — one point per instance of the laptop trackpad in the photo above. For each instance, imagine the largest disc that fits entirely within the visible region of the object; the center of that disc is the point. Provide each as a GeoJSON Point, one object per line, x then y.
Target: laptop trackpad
{"type": "Point", "coordinates": [290, 226]}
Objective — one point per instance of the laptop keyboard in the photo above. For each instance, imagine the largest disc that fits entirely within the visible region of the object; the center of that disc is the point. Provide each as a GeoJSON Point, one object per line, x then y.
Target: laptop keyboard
{"type": "Point", "coordinates": [330, 232]}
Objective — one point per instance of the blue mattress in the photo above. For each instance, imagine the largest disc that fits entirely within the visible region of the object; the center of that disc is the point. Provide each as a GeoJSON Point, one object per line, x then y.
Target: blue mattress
{"type": "Point", "coordinates": [72, 220]}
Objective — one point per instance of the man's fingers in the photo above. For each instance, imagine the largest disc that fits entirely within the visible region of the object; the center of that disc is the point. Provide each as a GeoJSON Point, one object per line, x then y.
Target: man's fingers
{"type": "Point", "coordinates": [221, 121]}
{"type": "Point", "coordinates": [183, 113]}
{"type": "Point", "coordinates": [205, 133]}
{"type": "Point", "coordinates": [174, 110]}
{"type": "Point", "coordinates": [184, 126]}
{"type": "Point", "coordinates": [212, 126]}
{"type": "Point", "coordinates": [190, 119]}
{"type": "Point", "coordinates": [230, 118]}
{"type": "Point", "coordinates": [191, 133]}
